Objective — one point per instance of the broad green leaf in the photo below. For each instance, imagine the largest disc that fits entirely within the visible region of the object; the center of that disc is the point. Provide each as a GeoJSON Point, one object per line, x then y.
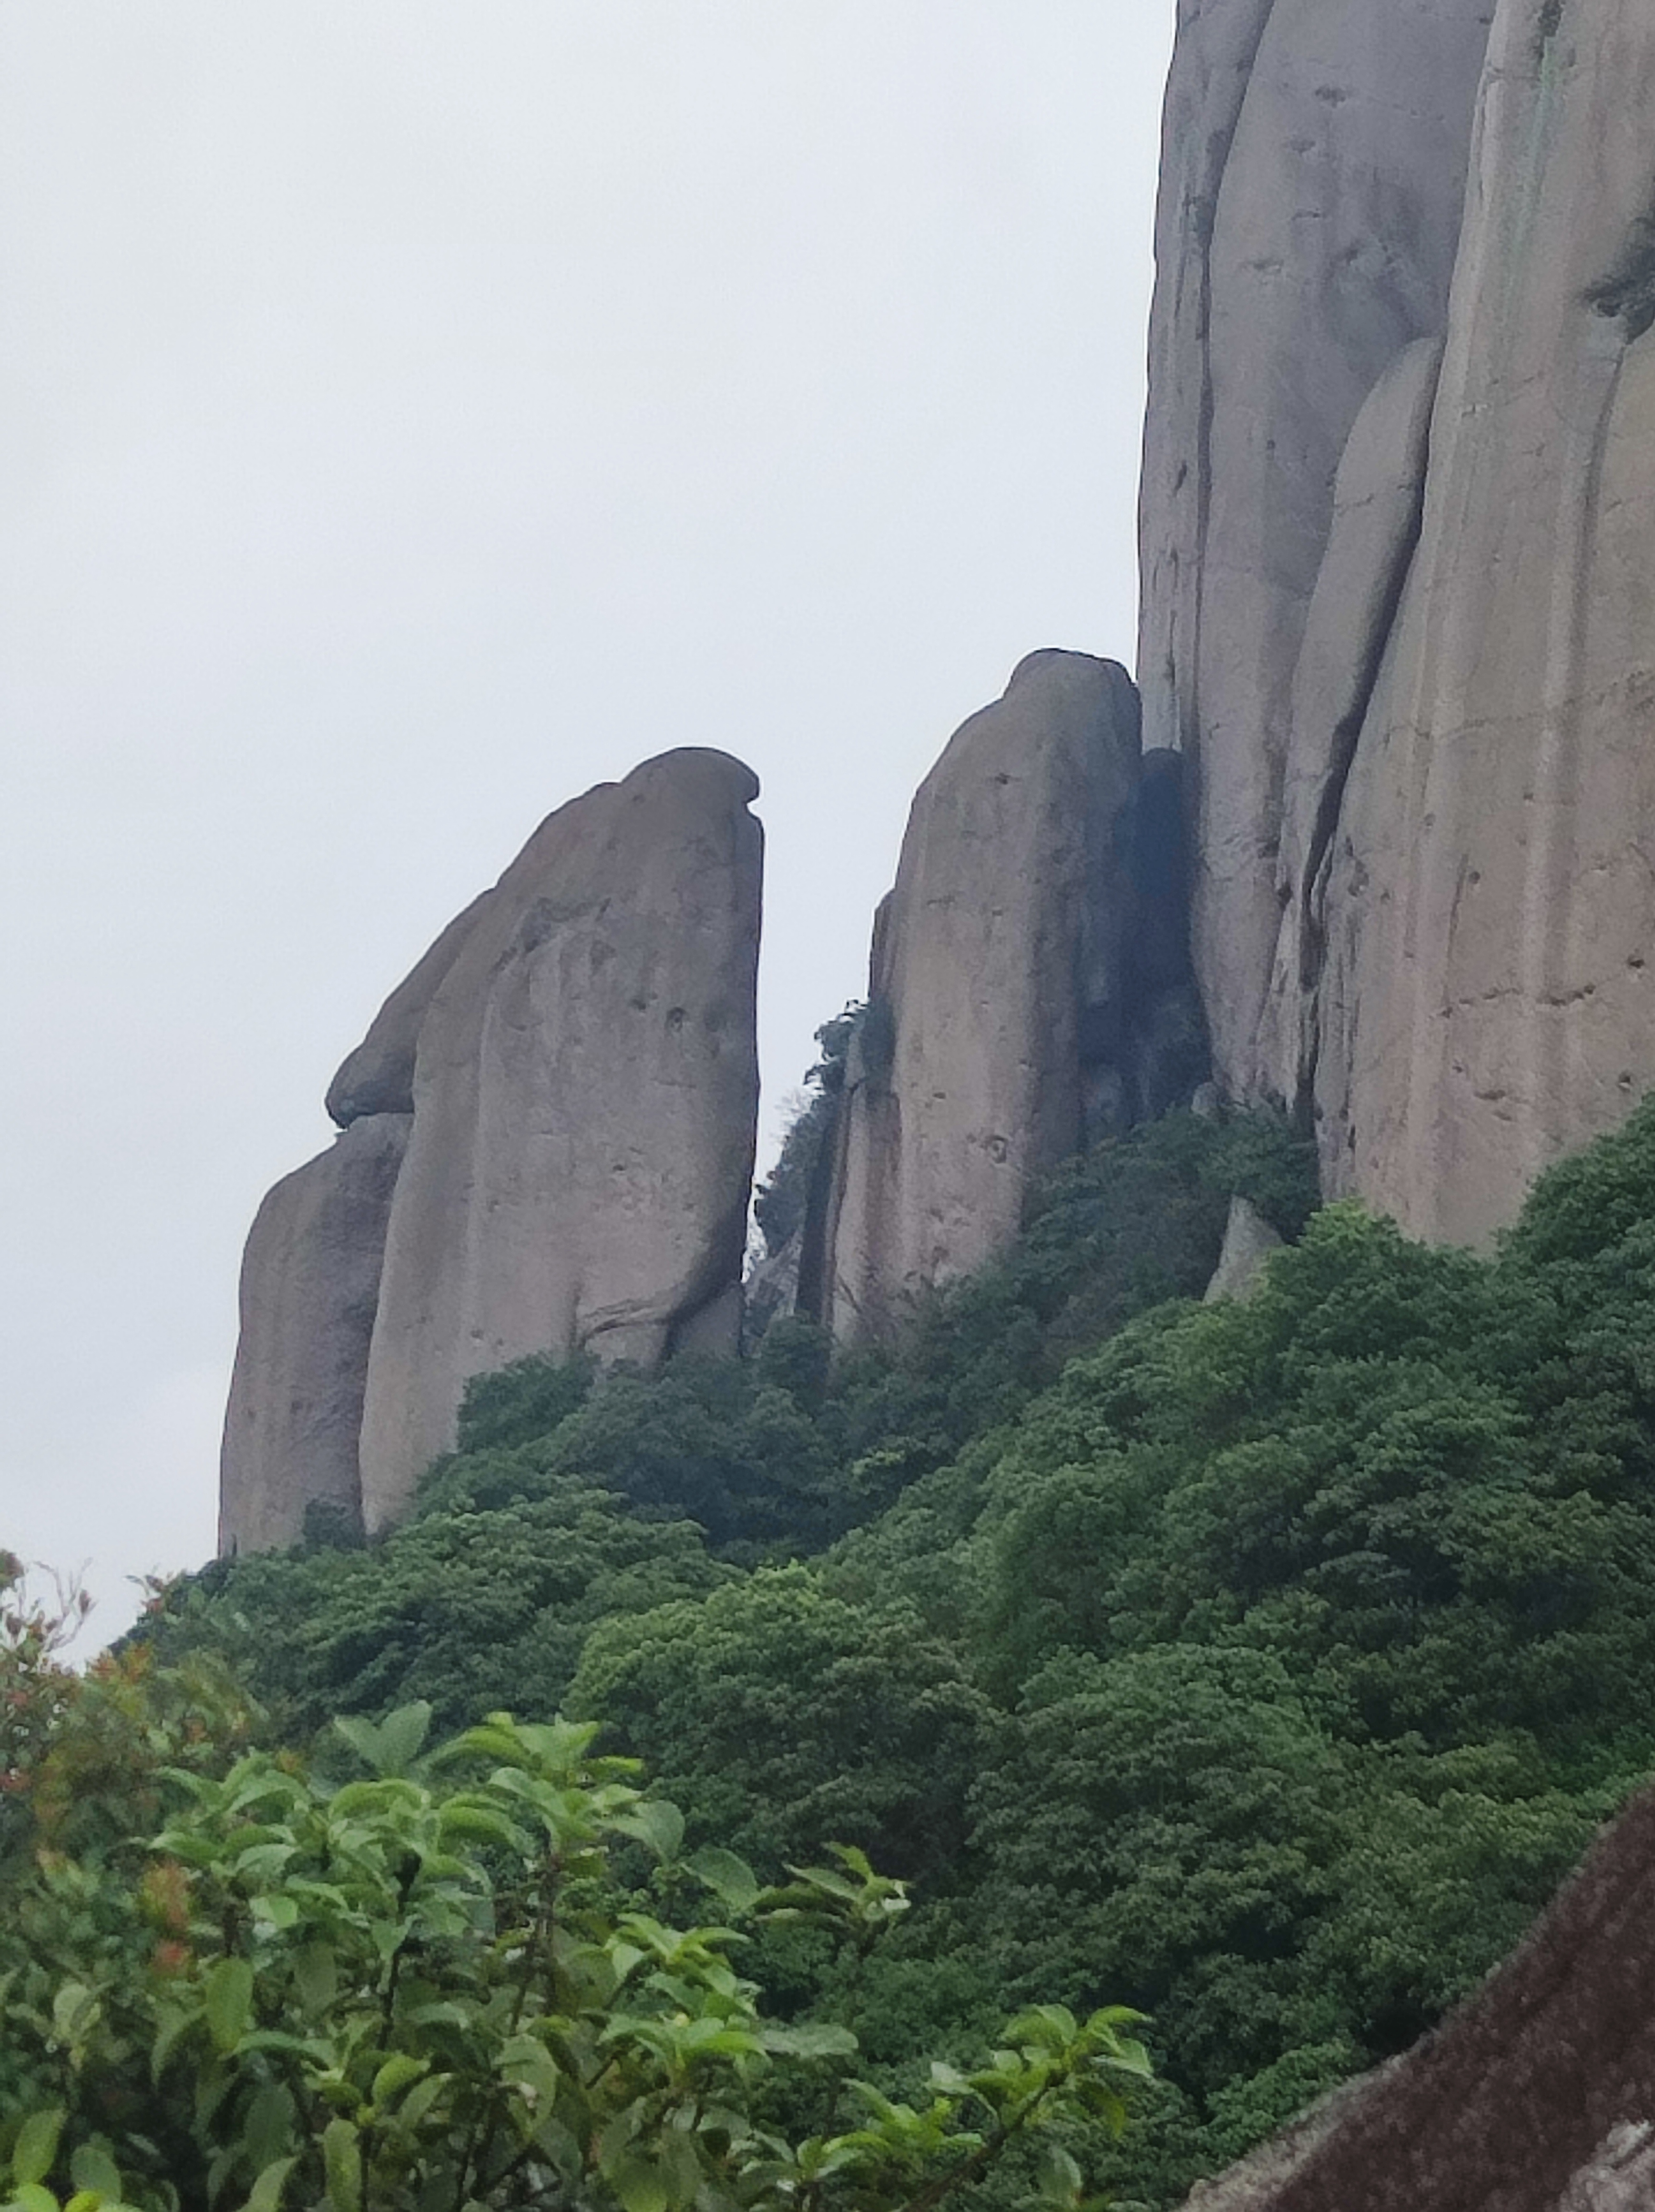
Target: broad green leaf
{"type": "Point", "coordinates": [398, 2073]}
{"type": "Point", "coordinates": [480, 1824]}
{"type": "Point", "coordinates": [31, 2198]}
{"type": "Point", "coordinates": [271, 2126]}
{"type": "Point", "coordinates": [228, 1997]}
{"type": "Point", "coordinates": [277, 1911]}
{"type": "Point", "coordinates": [640, 2186]}
{"type": "Point", "coordinates": [852, 1856]}
{"type": "Point", "coordinates": [417, 2106]}
{"type": "Point", "coordinates": [731, 1879]}
{"type": "Point", "coordinates": [1059, 2177]}
{"type": "Point", "coordinates": [94, 2170]}
{"type": "Point", "coordinates": [812, 2039]}
{"type": "Point", "coordinates": [391, 1747]}
{"type": "Point", "coordinates": [342, 2161]}
{"type": "Point", "coordinates": [316, 1973]}
{"type": "Point", "coordinates": [265, 2194]}
{"type": "Point", "coordinates": [36, 2147]}
{"type": "Point", "coordinates": [657, 1823]}
{"type": "Point", "coordinates": [75, 2011]}
{"type": "Point", "coordinates": [1044, 2026]}
{"type": "Point", "coordinates": [402, 1736]}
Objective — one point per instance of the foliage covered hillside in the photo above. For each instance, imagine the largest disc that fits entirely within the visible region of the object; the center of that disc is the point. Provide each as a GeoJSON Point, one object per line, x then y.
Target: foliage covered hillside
{"type": "Point", "coordinates": [1263, 1666]}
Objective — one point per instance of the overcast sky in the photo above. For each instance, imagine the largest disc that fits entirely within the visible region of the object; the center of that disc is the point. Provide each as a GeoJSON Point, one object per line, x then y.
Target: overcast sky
{"type": "Point", "coordinates": [414, 411]}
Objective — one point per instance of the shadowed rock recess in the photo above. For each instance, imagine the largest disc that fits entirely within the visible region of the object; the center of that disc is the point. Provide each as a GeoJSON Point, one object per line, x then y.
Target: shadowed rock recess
{"type": "Point", "coordinates": [549, 1149]}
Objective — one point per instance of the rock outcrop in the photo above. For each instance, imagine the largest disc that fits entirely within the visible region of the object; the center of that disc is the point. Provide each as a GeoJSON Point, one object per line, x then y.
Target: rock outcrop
{"type": "Point", "coordinates": [1314, 168]}
{"type": "Point", "coordinates": [377, 1077]}
{"type": "Point", "coordinates": [310, 1290]}
{"type": "Point", "coordinates": [1538, 2096]}
{"type": "Point", "coordinates": [1023, 994]}
{"type": "Point", "coordinates": [1249, 1242]}
{"type": "Point", "coordinates": [586, 1104]}
{"type": "Point", "coordinates": [549, 1148]}
{"type": "Point", "coordinates": [1379, 499]}
{"type": "Point", "coordinates": [1399, 573]}
{"type": "Point", "coordinates": [1487, 1001]}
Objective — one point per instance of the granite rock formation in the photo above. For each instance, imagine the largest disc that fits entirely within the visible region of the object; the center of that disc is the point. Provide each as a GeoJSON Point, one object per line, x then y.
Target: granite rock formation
{"type": "Point", "coordinates": [1378, 498]}
{"type": "Point", "coordinates": [1487, 1001]}
{"type": "Point", "coordinates": [1399, 573]}
{"type": "Point", "coordinates": [1249, 1242]}
{"type": "Point", "coordinates": [1313, 174]}
{"type": "Point", "coordinates": [585, 1104]}
{"type": "Point", "coordinates": [377, 1077]}
{"type": "Point", "coordinates": [310, 1289]}
{"type": "Point", "coordinates": [1023, 997]}
{"type": "Point", "coordinates": [1537, 2096]}
{"type": "Point", "coordinates": [549, 1148]}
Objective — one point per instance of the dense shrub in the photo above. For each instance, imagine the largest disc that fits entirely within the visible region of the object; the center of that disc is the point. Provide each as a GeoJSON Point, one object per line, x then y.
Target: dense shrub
{"type": "Point", "coordinates": [1264, 1663]}
{"type": "Point", "coordinates": [249, 1981]}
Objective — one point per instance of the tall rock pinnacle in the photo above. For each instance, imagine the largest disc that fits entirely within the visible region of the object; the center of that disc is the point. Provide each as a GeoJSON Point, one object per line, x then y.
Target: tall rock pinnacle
{"type": "Point", "coordinates": [549, 1149]}
{"type": "Point", "coordinates": [1489, 1001]}
{"type": "Point", "coordinates": [1011, 966]}
{"type": "Point", "coordinates": [586, 1104]}
{"type": "Point", "coordinates": [1313, 174]}
{"type": "Point", "coordinates": [310, 1290]}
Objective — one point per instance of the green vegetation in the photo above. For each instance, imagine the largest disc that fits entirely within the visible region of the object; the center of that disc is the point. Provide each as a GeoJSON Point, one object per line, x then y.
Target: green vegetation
{"type": "Point", "coordinates": [783, 1200]}
{"type": "Point", "coordinates": [1261, 1666]}
{"type": "Point", "coordinates": [252, 1980]}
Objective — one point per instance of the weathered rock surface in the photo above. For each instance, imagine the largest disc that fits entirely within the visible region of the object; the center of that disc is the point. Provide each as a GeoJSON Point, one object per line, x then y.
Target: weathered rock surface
{"type": "Point", "coordinates": [1314, 173]}
{"type": "Point", "coordinates": [585, 1100]}
{"type": "Point", "coordinates": [1488, 999]}
{"type": "Point", "coordinates": [1622, 2175]}
{"type": "Point", "coordinates": [1537, 2096]}
{"type": "Point", "coordinates": [771, 1291]}
{"type": "Point", "coordinates": [310, 1288]}
{"type": "Point", "coordinates": [1378, 503]}
{"type": "Point", "coordinates": [1001, 993]}
{"type": "Point", "coordinates": [377, 1077]}
{"type": "Point", "coordinates": [1249, 1242]}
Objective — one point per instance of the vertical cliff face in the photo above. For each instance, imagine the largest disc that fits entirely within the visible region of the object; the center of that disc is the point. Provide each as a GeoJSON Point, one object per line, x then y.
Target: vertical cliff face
{"type": "Point", "coordinates": [1027, 990]}
{"type": "Point", "coordinates": [310, 1290]}
{"type": "Point", "coordinates": [585, 1102]}
{"type": "Point", "coordinates": [549, 1148]}
{"type": "Point", "coordinates": [1487, 1001]}
{"type": "Point", "coordinates": [1399, 573]}
{"type": "Point", "coordinates": [1314, 176]}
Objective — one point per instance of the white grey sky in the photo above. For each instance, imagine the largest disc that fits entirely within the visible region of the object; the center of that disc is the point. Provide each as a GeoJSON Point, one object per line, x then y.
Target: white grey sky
{"type": "Point", "coordinates": [413, 412]}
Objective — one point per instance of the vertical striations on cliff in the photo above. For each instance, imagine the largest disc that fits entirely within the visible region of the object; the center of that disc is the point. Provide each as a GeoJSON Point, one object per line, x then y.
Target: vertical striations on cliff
{"type": "Point", "coordinates": [1310, 195]}
{"type": "Point", "coordinates": [1487, 1001]}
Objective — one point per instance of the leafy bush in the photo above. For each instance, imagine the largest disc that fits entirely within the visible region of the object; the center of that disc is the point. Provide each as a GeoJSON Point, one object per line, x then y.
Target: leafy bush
{"type": "Point", "coordinates": [487, 1597]}
{"type": "Point", "coordinates": [425, 1988]}
{"type": "Point", "coordinates": [1262, 1665]}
